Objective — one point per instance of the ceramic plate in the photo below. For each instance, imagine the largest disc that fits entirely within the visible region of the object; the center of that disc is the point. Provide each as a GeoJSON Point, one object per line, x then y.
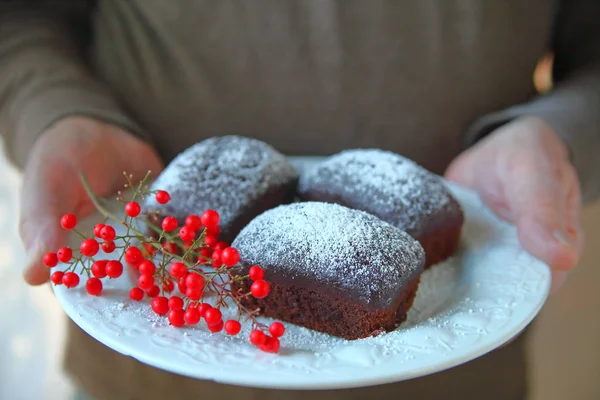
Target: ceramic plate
{"type": "Point", "coordinates": [464, 308]}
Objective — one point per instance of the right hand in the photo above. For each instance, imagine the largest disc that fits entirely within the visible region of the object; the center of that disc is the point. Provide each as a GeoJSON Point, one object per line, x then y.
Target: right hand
{"type": "Point", "coordinates": [52, 187]}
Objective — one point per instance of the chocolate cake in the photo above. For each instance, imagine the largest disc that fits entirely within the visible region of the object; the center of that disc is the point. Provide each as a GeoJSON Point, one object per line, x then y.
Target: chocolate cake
{"type": "Point", "coordinates": [332, 269]}
{"type": "Point", "coordinates": [393, 188]}
{"type": "Point", "coordinates": [236, 176]}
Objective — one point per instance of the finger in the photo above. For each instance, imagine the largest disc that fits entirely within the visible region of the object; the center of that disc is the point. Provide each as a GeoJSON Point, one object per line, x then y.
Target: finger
{"type": "Point", "coordinates": [489, 188]}
{"type": "Point", "coordinates": [48, 239]}
{"type": "Point", "coordinates": [44, 200]}
{"type": "Point", "coordinates": [459, 170]}
{"type": "Point", "coordinates": [574, 208]}
{"type": "Point", "coordinates": [496, 203]}
{"type": "Point", "coordinates": [574, 229]}
{"type": "Point", "coordinates": [538, 199]}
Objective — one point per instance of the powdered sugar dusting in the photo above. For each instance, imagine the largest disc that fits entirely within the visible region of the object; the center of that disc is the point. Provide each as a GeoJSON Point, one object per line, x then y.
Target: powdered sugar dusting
{"type": "Point", "coordinates": [226, 174]}
{"type": "Point", "coordinates": [332, 245]}
{"type": "Point", "coordinates": [463, 309]}
{"type": "Point", "coordinates": [380, 182]}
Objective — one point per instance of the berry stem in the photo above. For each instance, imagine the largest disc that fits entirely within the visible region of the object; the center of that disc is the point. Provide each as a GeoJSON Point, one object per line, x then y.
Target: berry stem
{"type": "Point", "coordinates": [79, 233]}
{"type": "Point", "coordinates": [108, 214]}
{"type": "Point", "coordinates": [195, 258]}
{"type": "Point", "coordinates": [103, 210]}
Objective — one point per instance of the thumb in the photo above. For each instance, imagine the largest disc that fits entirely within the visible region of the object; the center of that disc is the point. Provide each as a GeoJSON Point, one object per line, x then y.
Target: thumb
{"type": "Point", "coordinates": [40, 236]}
{"type": "Point", "coordinates": [537, 198]}
{"type": "Point", "coordinates": [42, 205]}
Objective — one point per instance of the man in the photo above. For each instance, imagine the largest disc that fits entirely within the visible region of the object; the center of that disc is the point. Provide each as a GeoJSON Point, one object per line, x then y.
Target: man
{"type": "Point", "coordinates": [114, 85]}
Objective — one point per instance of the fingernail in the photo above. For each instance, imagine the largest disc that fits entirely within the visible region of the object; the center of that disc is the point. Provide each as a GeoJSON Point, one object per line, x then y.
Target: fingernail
{"type": "Point", "coordinates": [558, 280]}
{"type": "Point", "coordinates": [568, 239]}
{"type": "Point", "coordinates": [576, 232]}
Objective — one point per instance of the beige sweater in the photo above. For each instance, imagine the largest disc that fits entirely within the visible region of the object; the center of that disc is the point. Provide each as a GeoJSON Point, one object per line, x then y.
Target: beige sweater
{"type": "Point", "coordinates": [423, 78]}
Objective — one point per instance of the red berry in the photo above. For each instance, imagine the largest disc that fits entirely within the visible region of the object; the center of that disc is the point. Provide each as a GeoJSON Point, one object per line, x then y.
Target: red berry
{"type": "Point", "coordinates": [213, 316]}
{"type": "Point", "coordinates": [162, 197]}
{"type": "Point", "coordinates": [210, 218]}
{"type": "Point", "coordinates": [176, 303]}
{"type": "Point", "coordinates": [193, 294]}
{"type": "Point", "coordinates": [153, 292]}
{"type": "Point", "coordinates": [133, 256]}
{"type": "Point", "coordinates": [230, 256]}
{"type": "Point", "coordinates": [218, 327]}
{"type": "Point", "coordinates": [277, 329]}
{"type": "Point", "coordinates": [93, 286]}
{"type": "Point", "coordinates": [70, 279]}
{"type": "Point", "coordinates": [260, 289]}
{"type": "Point", "coordinates": [89, 247]}
{"type": "Point", "coordinates": [132, 209]}
{"type": "Point", "coordinates": [193, 222]}
{"type": "Point", "coordinates": [194, 281]}
{"type": "Point", "coordinates": [108, 247]}
{"type": "Point", "coordinates": [221, 246]}
{"type": "Point", "coordinates": [176, 318]}
{"type": "Point", "coordinates": [68, 221]}
{"type": "Point", "coordinates": [57, 277]}
{"type": "Point", "coordinates": [232, 327]}
{"type": "Point", "coordinates": [114, 269]}
{"type": "Point", "coordinates": [145, 282]}
{"type": "Point", "coordinates": [51, 260]}
{"type": "Point", "coordinates": [256, 273]}
{"type": "Point", "coordinates": [136, 294]}
{"type": "Point", "coordinates": [98, 230]}
{"type": "Point", "coordinates": [178, 270]}
{"type": "Point", "coordinates": [169, 224]}
{"type": "Point", "coordinates": [186, 234]}
{"type": "Point", "coordinates": [147, 267]}
{"type": "Point", "coordinates": [168, 286]}
{"type": "Point", "coordinates": [213, 230]}
{"type": "Point", "coordinates": [181, 284]}
{"type": "Point", "coordinates": [210, 240]}
{"type": "Point", "coordinates": [64, 254]}
{"type": "Point", "coordinates": [216, 257]}
{"type": "Point", "coordinates": [203, 307]}
{"type": "Point", "coordinates": [149, 248]}
{"type": "Point", "coordinates": [205, 254]}
{"type": "Point", "coordinates": [170, 247]}
{"type": "Point", "coordinates": [99, 269]}
{"type": "Point", "coordinates": [271, 345]}
{"type": "Point", "coordinates": [191, 316]}
{"type": "Point", "coordinates": [108, 233]}
{"type": "Point", "coordinates": [217, 264]}
{"type": "Point", "coordinates": [160, 305]}
{"type": "Point", "coordinates": [258, 338]}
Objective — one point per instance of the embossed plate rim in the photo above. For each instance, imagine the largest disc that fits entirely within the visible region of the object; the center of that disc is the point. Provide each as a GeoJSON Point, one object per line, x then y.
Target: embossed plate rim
{"type": "Point", "coordinates": [429, 345]}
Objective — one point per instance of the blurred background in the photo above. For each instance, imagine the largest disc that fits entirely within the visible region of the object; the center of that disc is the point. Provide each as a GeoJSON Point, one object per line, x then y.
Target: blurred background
{"type": "Point", "coordinates": [564, 349]}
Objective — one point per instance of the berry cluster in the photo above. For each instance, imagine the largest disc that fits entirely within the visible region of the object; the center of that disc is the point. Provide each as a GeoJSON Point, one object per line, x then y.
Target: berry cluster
{"type": "Point", "coordinates": [188, 256]}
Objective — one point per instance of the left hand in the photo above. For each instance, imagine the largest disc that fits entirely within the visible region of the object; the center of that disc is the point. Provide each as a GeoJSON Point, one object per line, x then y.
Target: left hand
{"type": "Point", "coordinates": [523, 173]}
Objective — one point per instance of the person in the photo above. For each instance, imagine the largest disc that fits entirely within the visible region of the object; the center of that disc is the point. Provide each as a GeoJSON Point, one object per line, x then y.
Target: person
{"type": "Point", "coordinates": [124, 85]}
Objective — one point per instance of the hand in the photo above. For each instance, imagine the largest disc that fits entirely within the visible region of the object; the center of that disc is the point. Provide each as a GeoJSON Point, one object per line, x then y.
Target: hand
{"type": "Point", "coordinates": [52, 187]}
{"type": "Point", "coordinates": [522, 171]}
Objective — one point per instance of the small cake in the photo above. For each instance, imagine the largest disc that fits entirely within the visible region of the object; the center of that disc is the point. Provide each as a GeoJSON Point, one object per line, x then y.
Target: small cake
{"type": "Point", "coordinates": [332, 269]}
{"type": "Point", "coordinates": [393, 188]}
{"type": "Point", "coordinates": [236, 176]}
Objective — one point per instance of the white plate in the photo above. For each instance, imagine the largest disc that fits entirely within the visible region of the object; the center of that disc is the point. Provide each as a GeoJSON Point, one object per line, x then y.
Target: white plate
{"type": "Point", "coordinates": [464, 308]}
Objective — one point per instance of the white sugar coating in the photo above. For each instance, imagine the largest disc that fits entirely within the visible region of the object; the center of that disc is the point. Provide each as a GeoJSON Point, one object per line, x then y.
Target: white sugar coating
{"type": "Point", "coordinates": [332, 245]}
{"type": "Point", "coordinates": [227, 174]}
{"type": "Point", "coordinates": [386, 184]}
